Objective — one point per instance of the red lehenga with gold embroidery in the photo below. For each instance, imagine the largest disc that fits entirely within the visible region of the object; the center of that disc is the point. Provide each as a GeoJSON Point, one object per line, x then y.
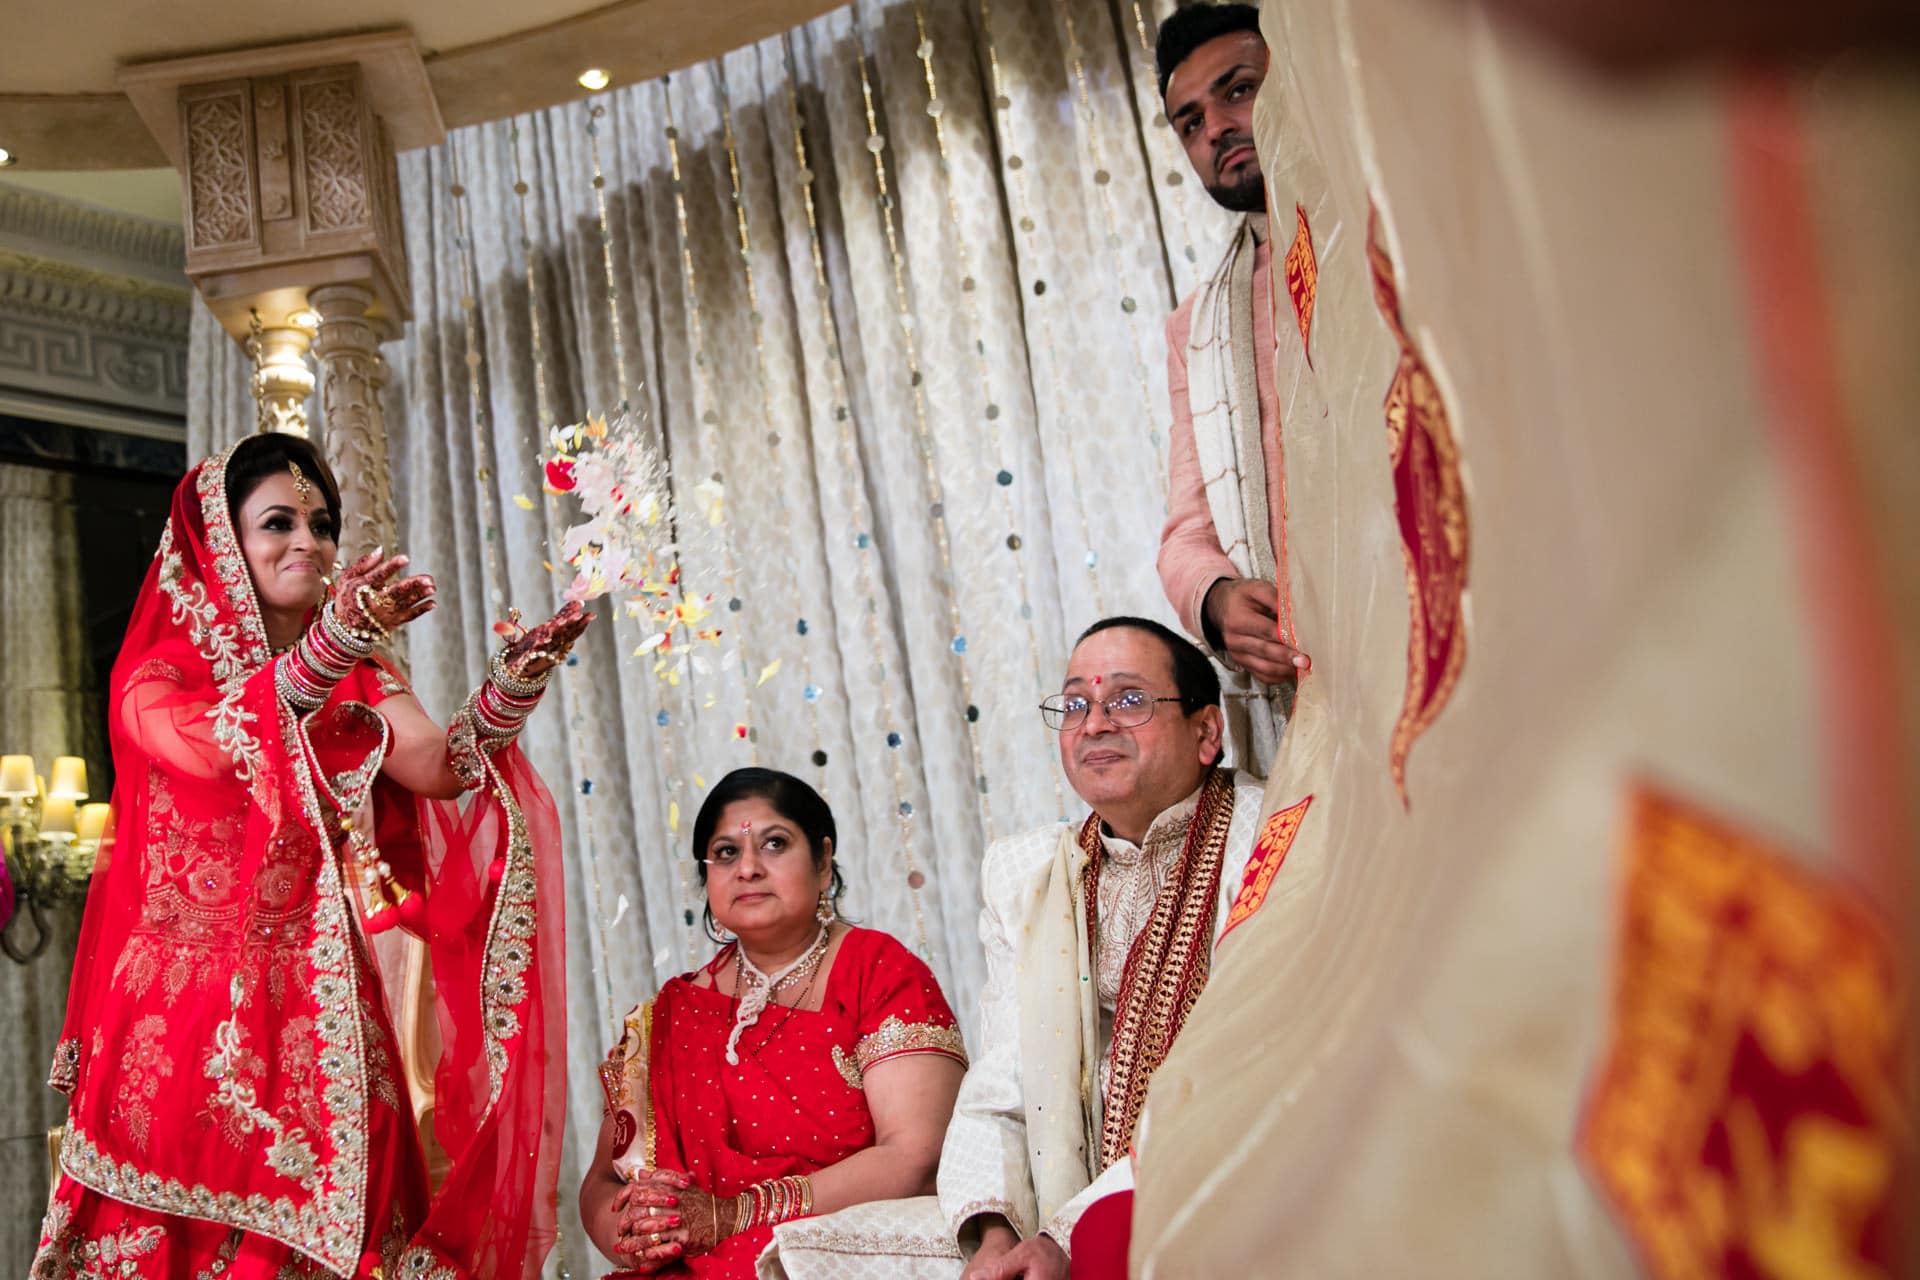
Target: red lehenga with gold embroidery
{"type": "Point", "coordinates": [793, 1104]}
{"type": "Point", "coordinates": [237, 1104]}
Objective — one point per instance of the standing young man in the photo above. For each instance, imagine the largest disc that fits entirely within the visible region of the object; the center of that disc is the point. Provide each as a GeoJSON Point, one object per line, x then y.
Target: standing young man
{"type": "Point", "coordinates": [1218, 562]}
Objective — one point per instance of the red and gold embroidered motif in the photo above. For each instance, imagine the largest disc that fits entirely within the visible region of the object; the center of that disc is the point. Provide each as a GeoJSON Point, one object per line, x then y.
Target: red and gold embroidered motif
{"type": "Point", "coordinates": [1747, 1119]}
{"type": "Point", "coordinates": [1431, 503]}
{"type": "Point", "coordinates": [1303, 280]}
{"type": "Point", "coordinates": [1269, 851]}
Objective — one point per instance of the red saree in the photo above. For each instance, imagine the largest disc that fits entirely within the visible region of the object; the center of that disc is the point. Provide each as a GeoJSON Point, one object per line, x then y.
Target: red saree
{"type": "Point", "coordinates": [793, 1105]}
{"type": "Point", "coordinates": [237, 1107]}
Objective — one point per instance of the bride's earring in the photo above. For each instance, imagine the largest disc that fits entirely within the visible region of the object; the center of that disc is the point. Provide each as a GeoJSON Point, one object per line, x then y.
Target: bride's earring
{"type": "Point", "coordinates": [824, 913]}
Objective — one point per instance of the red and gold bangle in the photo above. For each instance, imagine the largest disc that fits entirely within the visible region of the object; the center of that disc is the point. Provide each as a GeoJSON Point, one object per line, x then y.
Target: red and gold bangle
{"type": "Point", "coordinates": [772, 1202]}
{"type": "Point", "coordinates": [305, 675]}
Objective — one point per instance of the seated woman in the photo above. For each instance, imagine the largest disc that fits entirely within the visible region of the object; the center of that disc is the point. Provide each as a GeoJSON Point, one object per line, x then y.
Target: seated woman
{"type": "Point", "coordinates": [808, 1066]}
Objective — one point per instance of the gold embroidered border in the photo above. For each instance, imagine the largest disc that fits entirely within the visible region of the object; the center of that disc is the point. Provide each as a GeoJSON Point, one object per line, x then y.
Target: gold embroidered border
{"type": "Point", "coordinates": [806, 1235]}
{"type": "Point", "coordinates": [975, 1208]}
{"type": "Point", "coordinates": [329, 1226]}
{"type": "Point", "coordinates": [65, 1072]}
{"type": "Point", "coordinates": [218, 642]}
{"type": "Point", "coordinates": [230, 567]}
{"type": "Point", "coordinates": [423, 1263]}
{"type": "Point", "coordinates": [275, 1217]}
{"type": "Point", "coordinates": [509, 948]}
{"type": "Point", "coordinates": [894, 1038]}
{"type": "Point", "coordinates": [628, 1088]}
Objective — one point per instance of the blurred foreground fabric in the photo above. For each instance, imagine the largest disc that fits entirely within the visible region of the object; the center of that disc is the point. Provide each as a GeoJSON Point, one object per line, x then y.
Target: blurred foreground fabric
{"type": "Point", "coordinates": [1649, 512]}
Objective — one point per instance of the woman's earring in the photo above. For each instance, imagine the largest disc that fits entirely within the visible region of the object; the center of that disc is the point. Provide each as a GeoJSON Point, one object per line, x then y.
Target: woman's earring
{"type": "Point", "coordinates": [824, 913]}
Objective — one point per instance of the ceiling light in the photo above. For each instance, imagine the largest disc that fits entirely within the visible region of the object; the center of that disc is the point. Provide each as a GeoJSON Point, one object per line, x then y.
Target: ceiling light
{"type": "Point", "coordinates": [306, 318]}
{"type": "Point", "coordinates": [7, 157]}
{"type": "Point", "coordinates": [593, 79]}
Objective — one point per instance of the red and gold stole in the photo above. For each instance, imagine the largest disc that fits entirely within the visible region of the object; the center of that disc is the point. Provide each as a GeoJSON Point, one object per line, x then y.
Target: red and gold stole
{"type": "Point", "coordinates": [1168, 963]}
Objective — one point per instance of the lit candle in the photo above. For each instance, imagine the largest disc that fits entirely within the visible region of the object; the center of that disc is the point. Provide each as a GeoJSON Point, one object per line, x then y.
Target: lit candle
{"type": "Point", "coordinates": [69, 778]}
{"type": "Point", "coordinates": [16, 775]}
{"type": "Point", "coordinates": [56, 819]}
{"type": "Point", "coordinates": [92, 822]}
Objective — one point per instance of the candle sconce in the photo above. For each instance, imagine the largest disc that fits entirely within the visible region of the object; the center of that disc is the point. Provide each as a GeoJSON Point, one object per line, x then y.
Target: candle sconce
{"type": "Point", "coordinates": [51, 840]}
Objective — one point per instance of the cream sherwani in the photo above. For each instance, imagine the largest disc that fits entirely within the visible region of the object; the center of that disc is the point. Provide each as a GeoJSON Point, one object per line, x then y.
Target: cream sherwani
{"type": "Point", "coordinates": [1024, 1137]}
{"type": "Point", "coordinates": [1023, 1140]}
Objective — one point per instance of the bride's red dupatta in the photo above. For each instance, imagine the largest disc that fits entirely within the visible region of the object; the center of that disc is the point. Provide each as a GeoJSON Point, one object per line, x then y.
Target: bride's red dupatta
{"type": "Point", "coordinates": [226, 1045]}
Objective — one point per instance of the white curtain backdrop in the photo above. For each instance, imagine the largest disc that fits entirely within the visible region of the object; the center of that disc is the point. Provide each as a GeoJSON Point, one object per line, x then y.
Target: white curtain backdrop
{"type": "Point", "coordinates": [936, 401]}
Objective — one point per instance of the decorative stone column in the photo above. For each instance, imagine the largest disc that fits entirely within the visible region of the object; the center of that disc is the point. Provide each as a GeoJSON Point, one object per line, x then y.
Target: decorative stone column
{"type": "Point", "coordinates": [352, 371]}
{"type": "Point", "coordinates": [293, 205]}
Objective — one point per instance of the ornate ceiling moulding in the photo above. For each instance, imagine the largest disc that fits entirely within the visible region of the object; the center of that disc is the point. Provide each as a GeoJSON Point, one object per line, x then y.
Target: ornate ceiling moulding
{"type": "Point", "coordinates": [94, 314]}
{"type": "Point", "coordinates": [45, 226]}
{"type": "Point", "coordinates": [633, 40]}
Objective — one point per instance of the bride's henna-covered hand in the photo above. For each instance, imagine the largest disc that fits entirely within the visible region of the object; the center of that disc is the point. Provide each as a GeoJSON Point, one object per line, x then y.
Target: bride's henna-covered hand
{"type": "Point", "coordinates": [541, 648]}
{"type": "Point", "coordinates": [367, 597]}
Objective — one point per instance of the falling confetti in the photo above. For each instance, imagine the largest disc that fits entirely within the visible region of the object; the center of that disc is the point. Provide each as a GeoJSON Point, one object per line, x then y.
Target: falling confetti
{"type": "Point", "coordinates": [625, 547]}
{"type": "Point", "coordinates": [523, 502]}
{"type": "Point", "coordinates": [768, 672]}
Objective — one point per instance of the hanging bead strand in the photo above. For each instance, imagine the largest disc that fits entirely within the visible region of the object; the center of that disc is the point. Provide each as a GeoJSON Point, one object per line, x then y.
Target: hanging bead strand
{"type": "Point", "coordinates": [876, 148]}
{"type": "Point", "coordinates": [859, 506]}
{"type": "Point", "coordinates": [810, 693]}
{"type": "Point", "coordinates": [1004, 478]}
{"type": "Point", "coordinates": [703, 375]}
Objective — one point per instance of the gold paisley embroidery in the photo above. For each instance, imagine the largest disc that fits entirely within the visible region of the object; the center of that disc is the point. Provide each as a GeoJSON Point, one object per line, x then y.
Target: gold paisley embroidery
{"type": "Point", "coordinates": [65, 1255]}
{"type": "Point", "coordinates": [233, 1067]}
{"type": "Point", "coordinates": [380, 1075]}
{"type": "Point", "coordinates": [194, 900]}
{"type": "Point", "coordinates": [230, 721]}
{"type": "Point", "coordinates": [144, 1067]}
{"type": "Point", "coordinates": [218, 642]}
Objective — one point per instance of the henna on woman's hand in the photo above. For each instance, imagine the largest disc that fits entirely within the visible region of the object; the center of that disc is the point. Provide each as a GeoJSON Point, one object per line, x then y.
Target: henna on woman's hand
{"type": "Point", "coordinates": [543, 647]}
{"type": "Point", "coordinates": [366, 596]}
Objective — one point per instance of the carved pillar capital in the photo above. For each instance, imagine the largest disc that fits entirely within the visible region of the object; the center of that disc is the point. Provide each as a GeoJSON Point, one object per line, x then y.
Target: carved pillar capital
{"type": "Point", "coordinates": [282, 380]}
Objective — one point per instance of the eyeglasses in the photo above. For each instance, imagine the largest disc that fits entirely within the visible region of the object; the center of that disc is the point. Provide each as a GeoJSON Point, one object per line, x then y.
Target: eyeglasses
{"type": "Point", "coordinates": [1127, 709]}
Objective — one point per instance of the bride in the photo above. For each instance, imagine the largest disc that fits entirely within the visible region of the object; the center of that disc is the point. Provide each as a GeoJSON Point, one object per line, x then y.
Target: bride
{"type": "Point", "coordinates": [236, 1105]}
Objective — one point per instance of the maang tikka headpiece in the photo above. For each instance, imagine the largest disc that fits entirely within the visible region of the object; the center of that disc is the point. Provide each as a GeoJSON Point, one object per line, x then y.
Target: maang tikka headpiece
{"type": "Point", "coordinates": [301, 485]}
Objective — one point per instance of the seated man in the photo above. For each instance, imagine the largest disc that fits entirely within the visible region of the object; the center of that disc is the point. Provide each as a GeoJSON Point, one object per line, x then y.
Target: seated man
{"type": "Point", "coordinates": [1106, 927]}
{"type": "Point", "coordinates": [1099, 938]}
